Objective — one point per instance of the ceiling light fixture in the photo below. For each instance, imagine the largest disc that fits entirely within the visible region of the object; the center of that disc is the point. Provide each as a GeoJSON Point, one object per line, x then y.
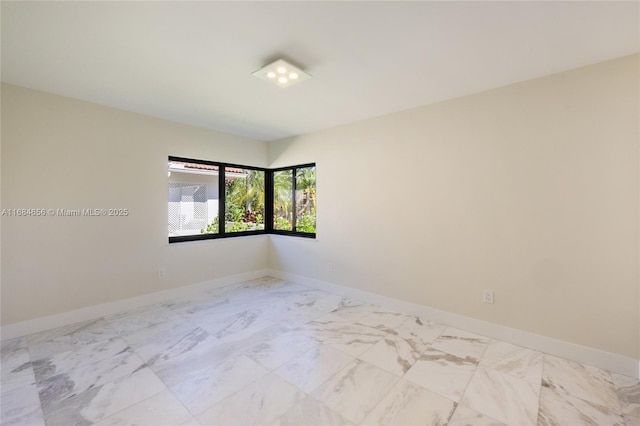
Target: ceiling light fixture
{"type": "Point", "coordinates": [286, 73]}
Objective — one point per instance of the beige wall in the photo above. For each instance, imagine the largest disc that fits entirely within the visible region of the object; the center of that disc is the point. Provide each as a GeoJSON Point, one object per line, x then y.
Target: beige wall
{"type": "Point", "coordinates": [63, 153]}
{"type": "Point", "coordinates": [531, 190]}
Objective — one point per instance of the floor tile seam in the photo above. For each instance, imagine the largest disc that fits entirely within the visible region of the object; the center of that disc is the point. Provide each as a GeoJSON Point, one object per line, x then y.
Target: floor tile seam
{"type": "Point", "coordinates": [318, 346]}
{"type": "Point", "coordinates": [82, 364]}
{"type": "Point", "coordinates": [7, 381]}
{"type": "Point", "coordinates": [135, 403]}
{"type": "Point", "coordinates": [129, 314]}
{"type": "Point", "coordinates": [39, 382]}
{"type": "Point", "coordinates": [537, 385]}
{"type": "Point", "coordinates": [500, 373]}
{"type": "Point", "coordinates": [123, 335]}
{"type": "Point", "coordinates": [39, 409]}
{"type": "Point", "coordinates": [459, 404]}
{"type": "Point", "coordinates": [335, 346]}
{"type": "Point", "coordinates": [142, 366]}
{"type": "Point", "coordinates": [485, 414]}
{"type": "Point", "coordinates": [195, 416]}
{"type": "Point", "coordinates": [311, 392]}
{"type": "Point", "coordinates": [395, 382]}
{"type": "Point", "coordinates": [4, 392]}
{"type": "Point", "coordinates": [380, 367]}
{"type": "Point", "coordinates": [31, 357]}
{"type": "Point", "coordinates": [249, 383]}
{"type": "Point", "coordinates": [306, 395]}
{"type": "Point", "coordinates": [566, 394]}
{"type": "Point", "coordinates": [311, 346]}
{"type": "Point", "coordinates": [397, 379]}
{"type": "Point", "coordinates": [383, 368]}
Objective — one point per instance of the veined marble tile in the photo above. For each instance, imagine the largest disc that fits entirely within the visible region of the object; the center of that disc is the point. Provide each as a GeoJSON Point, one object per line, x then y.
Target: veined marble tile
{"type": "Point", "coordinates": [129, 322]}
{"type": "Point", "coordinates": [209, 310]}
{"type": "Point", "coordinates": [581, 381]}
{"type": "Point", "coordinates": [215, 384]}
{"type": "Point", "coordinates": [280, 328]}
{"type": "Point", "coordinates": [461, 343]}
{"type": "Point", "coordinates": [353, 339]}
{"type": "Point", "coordinates": [273, 281]}
{"type": "Point", "coordinates": [191, 303]}
{"type": "Point", "coordinates": [312, 308]}
{"type": "Point", "coordinates": [352, 310]}
{"type": "Point", "coordinates": [355, 390]}
{"type": "Point", "coordinates": [73, 382]}
{"type": "Point", "coordinates": [464, 416]}
{"type": "Point", "coordinates": [314, 367]}
{"type": "Point", "coordinates": [408, 404]}
{"type": "Point", "coordinates": [70, 337]}
{"type": "Point", "coordinates": [304, 298]}
{"type": "Point", "coordinates": [631, 421]}
{"type": "Point", "coordinates": [10, 346]}
{"type": "Point", "coordinates": [165, 341]}
{"type": "Point", "coordinates": [628, 391]}
{"type": "Point", "coordinates": [420, 331]}
{"type": "Point", "coordinates": [266, 285]}
{"type": "Point", "coordinates": [84, 355]}
{"type": "Point", "coordinates": [196, 363]}
{"type": "Point", "coordinates": [261, 402]}
{"type": "Point", "coordinates": [245, 321]}
{"type": "Point", "coordinates": [561, 409]}
{"type": "Point", "coordinates": [332, 318]}
{"type": "Point", "coordinates": [442, 373]}
{"type": "Point", "coordinates": [280, 349]}
{"type": "Point", "coordinates": [310, 412]}
{"type": "Point", "coordinates": [514, 360]}
{"type": "Point", "coordinates": [502, 397]}
{"type": "Point", "coordinates": [35, 418]}
{"type": "Point", "coordinates": [383, 320]}
{"type": "Point", "coordinates": [191, 422]}
{"type": "Point", "coordinates": [160, 409]}
{"type": "Point", "coordinates": [22, 402]}
{"type": "Point", "coordinates": [100, 402]}
{"type": "Point", "coordinates": [15, 365]}
{"type": "Point", "coordinates": [249, 293]}
{"type": "Point", "coordinates": [394, 354]}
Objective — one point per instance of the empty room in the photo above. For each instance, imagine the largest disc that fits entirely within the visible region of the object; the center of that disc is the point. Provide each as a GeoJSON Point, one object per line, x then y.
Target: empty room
{"type": "Point", "coordinates": [320, 213]}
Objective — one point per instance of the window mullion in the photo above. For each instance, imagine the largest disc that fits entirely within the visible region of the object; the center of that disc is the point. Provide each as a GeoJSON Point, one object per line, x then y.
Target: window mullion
{"type": "Point", "coordinates": [268, 195]}
{"type": "Point", "coordinates": [222, 199]}
{"type": "Point", "coordinates": [293, 200]}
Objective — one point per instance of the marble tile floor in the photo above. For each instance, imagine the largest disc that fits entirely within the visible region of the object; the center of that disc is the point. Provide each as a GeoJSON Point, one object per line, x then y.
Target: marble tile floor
{"type": "Point", "coordinates": [268, 352]}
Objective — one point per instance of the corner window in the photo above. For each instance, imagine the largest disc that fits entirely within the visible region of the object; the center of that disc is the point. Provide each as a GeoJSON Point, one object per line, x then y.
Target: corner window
{"type": "Point", "coordinates": [294, 200]}
{"type": "Point", "coordinates": [209, 199]}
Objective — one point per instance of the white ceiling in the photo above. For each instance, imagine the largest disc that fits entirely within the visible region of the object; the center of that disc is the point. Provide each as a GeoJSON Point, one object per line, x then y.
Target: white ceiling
{"type": "Point", "coordinates": [191, 62]}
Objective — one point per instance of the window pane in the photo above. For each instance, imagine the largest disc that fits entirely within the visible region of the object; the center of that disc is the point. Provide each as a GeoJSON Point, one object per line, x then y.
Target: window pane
{"type": "Point", "coordinates": [306, 199]}
{"type": "Point", "coordinates": [244, 200]}
{"type": "Point", "coordinates": [193, 199]}
{"type": "Point", "coordinates": [283, 200]}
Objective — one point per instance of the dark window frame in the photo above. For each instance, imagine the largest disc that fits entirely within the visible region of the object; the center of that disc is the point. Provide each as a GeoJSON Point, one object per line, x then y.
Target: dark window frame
{"type": "Point", "coordinates": [268, 208]}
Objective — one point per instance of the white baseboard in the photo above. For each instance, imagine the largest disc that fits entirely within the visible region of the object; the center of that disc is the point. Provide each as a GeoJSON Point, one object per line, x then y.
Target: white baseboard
{"type": "Point", "coordinates": [36, 325]}
{"type": "Point", "coordinates": [616, 363]}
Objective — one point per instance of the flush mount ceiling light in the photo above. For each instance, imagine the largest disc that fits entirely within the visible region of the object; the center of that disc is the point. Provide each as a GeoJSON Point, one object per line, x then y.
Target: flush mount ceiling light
{"type": "Point", "coordinates": [282, 73]}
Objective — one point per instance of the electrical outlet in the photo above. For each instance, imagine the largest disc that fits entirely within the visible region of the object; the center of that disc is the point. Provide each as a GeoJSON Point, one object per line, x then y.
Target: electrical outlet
{"type": "Point", "coordinates": [161, 273]}
{"type": "Point", "coordinates": [487, 296]}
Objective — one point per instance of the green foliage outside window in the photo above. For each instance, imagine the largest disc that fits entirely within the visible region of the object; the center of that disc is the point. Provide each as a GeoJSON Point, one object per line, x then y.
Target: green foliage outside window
{"type": "Point", "coordinates": [305, 209]}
